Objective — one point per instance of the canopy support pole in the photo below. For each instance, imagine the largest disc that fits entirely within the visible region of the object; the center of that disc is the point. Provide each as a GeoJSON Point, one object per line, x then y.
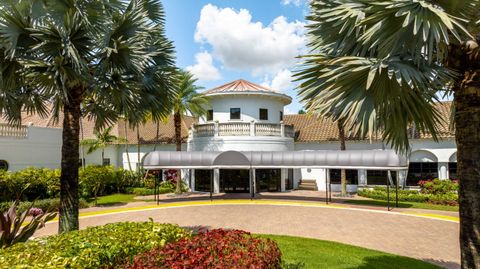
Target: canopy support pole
{"type": "Point", "coordinates": [211, 183]}
{"type": "Point", "coordinates": [329, 187]}
{"type": "Point", "coordinates": [389, 177]}
{"type": "Point", "coordinates": [396, 188]}
{"type": "Point", "coordinates": [250, 177]}
{"type": "Point", "coordinates": [327, 180]}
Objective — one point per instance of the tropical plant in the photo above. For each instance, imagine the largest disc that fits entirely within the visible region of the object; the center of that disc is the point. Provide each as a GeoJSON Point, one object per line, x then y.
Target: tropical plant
{"type": "Point", "coordinates": [343, 172]}
{"type": "Point", "coordinates": [187, 100]}
{"type": "Point", "coordinates": [107, 57]}
{"type": "Point", "coordinates": [102, 139]}
{"type": "Point", "coordinates": [382, 65]}
{"type": "Point", "coordinates": [12, 227]}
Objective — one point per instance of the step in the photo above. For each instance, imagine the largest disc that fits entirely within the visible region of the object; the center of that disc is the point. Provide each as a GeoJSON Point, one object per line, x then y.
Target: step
{"type": "Point", "coordinates": [308, 188]}
{"type": "Point", "coordinates": [308, 181]}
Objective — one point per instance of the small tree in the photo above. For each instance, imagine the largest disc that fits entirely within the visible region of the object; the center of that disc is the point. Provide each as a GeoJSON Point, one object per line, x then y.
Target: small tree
{"type": "Point", "coordinates": [188, 100]}
{"type": "Point", "coordinates": [102, 139]}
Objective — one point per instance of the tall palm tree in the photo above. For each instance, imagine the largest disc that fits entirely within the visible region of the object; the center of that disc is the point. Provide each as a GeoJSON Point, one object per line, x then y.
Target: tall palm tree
{"type": "Point", "coordinates": [343, 172]}
{"type": "Point", "coordinates": [102, 139]}
{"type": "Point", "coordinates": [187, 100]}
{"type": "Point", "coordinates": [109, 57]}
{"type": "Point", "coordinates": [381, 65]}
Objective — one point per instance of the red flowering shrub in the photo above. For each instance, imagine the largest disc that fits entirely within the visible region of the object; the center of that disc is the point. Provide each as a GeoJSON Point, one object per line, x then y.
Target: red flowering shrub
{"type": "Point", "coordinates": [213, 249]}
{"type": "Point", "coordinates": [171, 175]}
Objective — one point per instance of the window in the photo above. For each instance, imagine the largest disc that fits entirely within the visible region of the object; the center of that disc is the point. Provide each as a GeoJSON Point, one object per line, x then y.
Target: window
{"type": "Point", "coordinates": [335, 176]}
{"type": "Point", "coordinates": [210, 115]}
{"type": "Point", "coordinates": [235, 113]}
{"type": "Point", "coordinates": [281, 115]}
{"type": "Point", "coordinates": [203, 179]}
{"type": "Point", "coordinates": [421, 171]}
{"type": "Point", "coordinates": [3, 165]}
{"type": "Point", "coordinates": [263, 114]}
{"type": "Point", "coordinates": [106, 161]}
{"type": "Point", "coordinates": [452, 170]}
{"type": "Point", "coordinates": [379, 177]}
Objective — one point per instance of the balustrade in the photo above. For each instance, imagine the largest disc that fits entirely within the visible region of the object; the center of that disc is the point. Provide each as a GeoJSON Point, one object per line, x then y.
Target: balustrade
{"type": "Point", "coordinates": [242, 129]}
{"type": "Point", "coordinates": [7, 130]}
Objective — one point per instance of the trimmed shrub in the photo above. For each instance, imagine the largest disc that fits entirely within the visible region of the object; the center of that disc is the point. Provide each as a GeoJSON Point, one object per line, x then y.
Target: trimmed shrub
{"type": "Point", "coordinates": [51, 204]}
{"type": "Point", "coordinates": [95, 247]}
{"type": "Point", "coordinates": [380, 193]}
{"type": "Point", "coordinates": [213, 249]}
{"type": "Point", "coordinates": [438, 187]}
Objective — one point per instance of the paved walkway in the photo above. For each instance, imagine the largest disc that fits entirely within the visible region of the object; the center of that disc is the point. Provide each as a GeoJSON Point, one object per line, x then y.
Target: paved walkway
{"type": "Point", "coordinates": [430, 239]}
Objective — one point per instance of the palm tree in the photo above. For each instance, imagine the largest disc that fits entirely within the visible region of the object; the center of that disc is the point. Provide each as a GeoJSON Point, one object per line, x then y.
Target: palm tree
{"type": "Point", "coordinates": [102, 139]}
{"type": "Point", "coordinates": [381, 66]}
{"type": "Point", "coordinates": [187, 100]}
{"type": "Point", "coordinates": [110, 57]}
{"type": "Point", "coordinates": [343, 172]}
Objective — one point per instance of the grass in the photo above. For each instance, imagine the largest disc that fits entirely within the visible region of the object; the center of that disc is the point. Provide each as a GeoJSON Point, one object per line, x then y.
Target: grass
{"type": "Point", "coordinates": [315, 253]}
{"type": "Point", "coordinates": [404, 204]}
{"type": "Point", "coordinates": [113, 199]}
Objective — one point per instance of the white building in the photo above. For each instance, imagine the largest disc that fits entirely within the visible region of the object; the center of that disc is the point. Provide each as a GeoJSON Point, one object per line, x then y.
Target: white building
{"type": "Point", "coordinates": [243, 117]}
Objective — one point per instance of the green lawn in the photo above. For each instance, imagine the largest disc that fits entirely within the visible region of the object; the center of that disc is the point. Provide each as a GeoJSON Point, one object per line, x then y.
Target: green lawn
{"type": "Point", "coordinates": [404, 204]}
{"type": "Point", "coordinates": [325, 254]}
{"type": "Point", "coordinates": [113, 199]}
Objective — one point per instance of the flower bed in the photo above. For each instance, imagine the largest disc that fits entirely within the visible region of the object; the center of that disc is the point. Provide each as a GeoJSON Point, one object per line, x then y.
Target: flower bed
{"type": "Point", "coordinates": [213, 249]}
{"type": "Point", "coordinates": [95, 247]}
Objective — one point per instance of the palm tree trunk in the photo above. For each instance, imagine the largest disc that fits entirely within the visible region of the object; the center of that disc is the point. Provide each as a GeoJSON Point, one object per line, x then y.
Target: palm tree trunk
{"type": "Point", "coordinates": [68, 211]}
{"type": "Point", "coordinates": [157, 135]}
{"type": "Point", "coordinates": [126, 148]}
{"type": "Point", "coordinates": [139, 165]}
{"type": "Point", "coordinates": [343, 172]}
{"type": "Point", "coordinates": [177, 119]}
{"type": "Point", "coordinates": [467, 134]}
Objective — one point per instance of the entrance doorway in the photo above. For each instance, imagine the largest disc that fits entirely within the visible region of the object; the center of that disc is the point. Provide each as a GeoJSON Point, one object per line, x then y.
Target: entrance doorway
{"type": "Point", "coordinates": [233, 180]}
{"type": "Point", "coordinates": [268, 179]}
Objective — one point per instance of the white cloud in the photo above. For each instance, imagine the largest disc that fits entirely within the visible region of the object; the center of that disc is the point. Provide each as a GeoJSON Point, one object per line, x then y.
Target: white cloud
{"type": "Point", "coordinates": [288, 111]}
{"type": "Point", "coordinates": [281, 81]}
{"type": "Point", "coordinates": [242, 44]}
{"type": "Point", "coordinates": [294, 2]}
{"type": "Point", "coordinates": [204, 69]}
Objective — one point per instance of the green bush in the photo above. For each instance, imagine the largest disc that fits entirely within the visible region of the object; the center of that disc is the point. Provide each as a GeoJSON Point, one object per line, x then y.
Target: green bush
{"type": "Point", "coordinates": [95, 247]}
{"type": "Point", "coordinates": [50, 204]}
{"type": "Point", "coordinates": [380, 193]}
{"type": "Point", "coordinates": [141, 191]}
{"type": "Point", "coordinates": [438, 187]}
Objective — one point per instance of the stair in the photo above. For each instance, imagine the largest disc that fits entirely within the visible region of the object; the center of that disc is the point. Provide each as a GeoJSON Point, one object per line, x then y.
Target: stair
{"type": "Point", "coordinates": [308, 185]}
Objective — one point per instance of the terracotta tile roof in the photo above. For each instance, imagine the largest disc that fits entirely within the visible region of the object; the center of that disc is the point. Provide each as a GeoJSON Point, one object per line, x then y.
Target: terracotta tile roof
{"type": "Point", "coordinates": [147, 130]}
{"type": "Point", "coordinates": [311, 128]}
{"type": "Point", "coordinates": [240, 85]}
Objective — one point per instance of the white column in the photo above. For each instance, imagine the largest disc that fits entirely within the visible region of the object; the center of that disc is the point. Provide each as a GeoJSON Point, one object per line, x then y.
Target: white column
{"type": "Point", "coordinates": [362, 177]}
{"type": "Point", "coordinates": [443, 170]}
{"type": "Point", "coordinates": [192, 178]}
{"type": "Point", "coordinates": [402, 178]}
{"type": "Point", "coordinates": [254, 179]}
{"type": "Point", "coordinates": [252, 128]}
{"type": "Point", "coordinates": [215, 128]}
{"type": "Point", "coordinates": [216, 180]}
{"type": "Point", "coordinates": [283, 175]}
{"type": "Point", "coordinates": [282, 129]}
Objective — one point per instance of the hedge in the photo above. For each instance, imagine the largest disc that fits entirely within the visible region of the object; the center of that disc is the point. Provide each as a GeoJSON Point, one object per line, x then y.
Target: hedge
{"type": "Point", "coordinates": [41, 183]}
{"type": "Point", "coordinates": [95, 247]}
{"type": "Point", "coordinates": [51, 204]}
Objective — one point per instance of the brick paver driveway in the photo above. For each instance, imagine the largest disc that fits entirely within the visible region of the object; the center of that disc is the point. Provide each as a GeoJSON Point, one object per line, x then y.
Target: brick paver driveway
{"type": "Point", "coordinates": [422, 238]}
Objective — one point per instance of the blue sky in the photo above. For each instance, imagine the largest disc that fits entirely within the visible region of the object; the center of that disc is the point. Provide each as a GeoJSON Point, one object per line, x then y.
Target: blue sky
{"type": "Point", "coordinates": [220, 41]}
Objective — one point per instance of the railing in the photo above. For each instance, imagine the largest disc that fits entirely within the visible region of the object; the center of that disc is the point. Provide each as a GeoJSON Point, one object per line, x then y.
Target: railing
{"type": "Point", "coordinates": [242, 129]}
{"type": "Point", "coordinates": [268, 129]}
{"type": "Point", "coordinates": [7, 130]}
{"type": "Point", "coordinates": [234, 129]}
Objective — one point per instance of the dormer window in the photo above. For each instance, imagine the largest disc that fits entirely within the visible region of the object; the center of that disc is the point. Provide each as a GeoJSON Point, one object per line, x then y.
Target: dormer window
{"type": "Point", "coordinates": [263, 114]}
{"type": "Point", "coordinates": [210, 115]}
{"type": "Point", "coordinates": [235, 113]}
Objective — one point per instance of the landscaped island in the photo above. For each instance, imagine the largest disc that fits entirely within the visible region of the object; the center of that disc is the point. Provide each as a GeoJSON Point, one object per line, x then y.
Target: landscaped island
{"type": "Point", "coordinates": [153, 245]}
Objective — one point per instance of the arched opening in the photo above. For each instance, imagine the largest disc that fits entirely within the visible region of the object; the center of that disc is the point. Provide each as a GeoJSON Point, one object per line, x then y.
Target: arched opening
{"type": "Point", "coordinates": [452, 166]}
{"type": "Point", "coordinates": [423, 166]}
{"type": "Point", "coordinates": [235, 172]}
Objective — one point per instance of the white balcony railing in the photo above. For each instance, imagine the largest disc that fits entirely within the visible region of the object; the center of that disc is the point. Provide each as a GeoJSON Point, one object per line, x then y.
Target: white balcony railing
{"type": "Point", "coordinates": [7, 130]}
{"type": "Point", "coordinates": [242, 129]}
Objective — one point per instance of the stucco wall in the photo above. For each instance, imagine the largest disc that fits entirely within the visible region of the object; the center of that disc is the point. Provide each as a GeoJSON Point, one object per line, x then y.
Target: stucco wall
{"type": "Point", "coordinates": [249, 106]}
{"type": "Point", "coordinates": [41, 148]}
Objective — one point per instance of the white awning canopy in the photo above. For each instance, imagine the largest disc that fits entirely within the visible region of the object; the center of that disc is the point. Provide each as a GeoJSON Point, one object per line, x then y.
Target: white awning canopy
{"type": "Point", "coordinates": [333, 159]}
